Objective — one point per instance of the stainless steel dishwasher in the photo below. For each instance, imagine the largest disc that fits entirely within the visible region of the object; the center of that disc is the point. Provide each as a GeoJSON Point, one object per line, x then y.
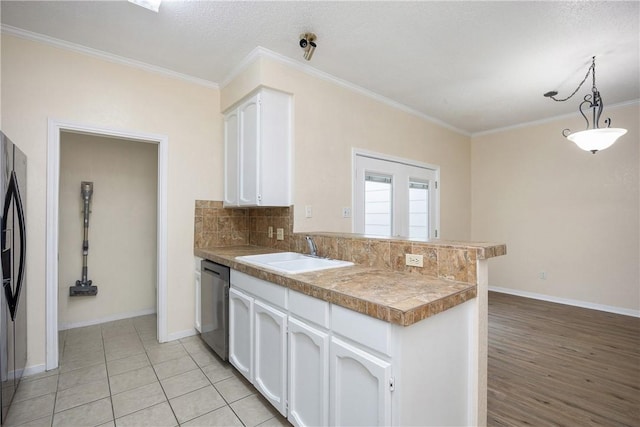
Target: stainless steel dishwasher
{"type": "Point", "coordinates": [214, 307]}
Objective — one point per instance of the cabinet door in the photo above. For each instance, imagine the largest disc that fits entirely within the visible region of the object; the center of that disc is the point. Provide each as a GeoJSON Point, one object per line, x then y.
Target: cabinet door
{"type": "Point", "coordinates": [308, 375]}
{"type": "Point", "coordinates": [360, 393]}
{"type": "Point", "coordinates": [241, 332]}
{"type": "Point", "coordinates": [271, 354]}
{"type": "Point", "coordinates": [197, 278]}
{"type": "Point", "coordinates": [249, 151]}
{"type": "Point", "coordinates": [231, 158]}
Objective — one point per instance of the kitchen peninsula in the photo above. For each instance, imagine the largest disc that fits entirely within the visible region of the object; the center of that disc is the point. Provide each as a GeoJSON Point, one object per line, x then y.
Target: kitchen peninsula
{"type": "Point", "coordinates": [392, 345]}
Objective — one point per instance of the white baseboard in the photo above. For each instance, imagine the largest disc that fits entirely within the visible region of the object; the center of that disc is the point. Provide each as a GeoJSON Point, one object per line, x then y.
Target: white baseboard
{"type": "Point", "coordinates": [181, 334]}
{"type": "Point", "coordinates": [119, 316]}
{"type": "Point", "coordinates": [567, 301]}
{"type": "Point", "coordinates": [12, 375]}
{"type": "Point", "coordinates": [32, 370]}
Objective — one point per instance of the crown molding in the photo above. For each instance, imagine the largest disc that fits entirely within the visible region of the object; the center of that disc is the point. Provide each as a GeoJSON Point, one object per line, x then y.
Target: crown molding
{"type": "Point", "coordinates": [252, 56]}
{"type": "Point", "coordinates": [550, 119]}
{"type": "Point", "coordinates": [29, 35]}
{"type": "Point", "coordinates": [263, 53]}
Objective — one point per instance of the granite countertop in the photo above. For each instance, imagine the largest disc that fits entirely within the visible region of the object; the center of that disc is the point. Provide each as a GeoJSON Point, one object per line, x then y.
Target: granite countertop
{"type": "Point", "coordinates": [395, 297]}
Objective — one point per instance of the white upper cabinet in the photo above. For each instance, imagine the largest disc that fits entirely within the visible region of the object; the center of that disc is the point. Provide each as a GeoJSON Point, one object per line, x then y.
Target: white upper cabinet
{"type": "Point", "coordinates": [231, 156]}
{"type": "Point", "coordinates": [258, 146]}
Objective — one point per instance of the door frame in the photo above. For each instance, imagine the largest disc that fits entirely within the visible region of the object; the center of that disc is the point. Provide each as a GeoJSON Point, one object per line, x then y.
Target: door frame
{"type": "Point", "coordinates": [358, 152]}
{"type": "Point", "coordinates": [55, 127]}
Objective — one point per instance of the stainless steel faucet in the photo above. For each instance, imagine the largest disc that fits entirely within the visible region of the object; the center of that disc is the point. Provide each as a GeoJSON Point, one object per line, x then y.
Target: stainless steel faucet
{"type": "Point", "coordinates": [313, 250]}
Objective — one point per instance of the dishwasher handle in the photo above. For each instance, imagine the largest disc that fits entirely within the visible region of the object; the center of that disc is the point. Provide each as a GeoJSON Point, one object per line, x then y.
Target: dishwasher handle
{"type": "Point", "coordinates": [222, 271]}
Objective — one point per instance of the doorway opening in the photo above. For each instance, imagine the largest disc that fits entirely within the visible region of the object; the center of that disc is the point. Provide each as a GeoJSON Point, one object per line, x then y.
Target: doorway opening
{"type": "Point", "coordinates": [395, 197]}
{"type": "Point", "coordinates": [57, 186]}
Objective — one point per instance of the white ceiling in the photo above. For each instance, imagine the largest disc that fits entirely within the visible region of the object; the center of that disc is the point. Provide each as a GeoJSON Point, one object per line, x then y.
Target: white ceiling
{"type": "Point", "coordinates": [474, 65]}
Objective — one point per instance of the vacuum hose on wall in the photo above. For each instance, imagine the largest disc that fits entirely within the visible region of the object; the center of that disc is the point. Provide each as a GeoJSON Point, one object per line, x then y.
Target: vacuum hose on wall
{"type": "Point", "coordinates": [84, 287]}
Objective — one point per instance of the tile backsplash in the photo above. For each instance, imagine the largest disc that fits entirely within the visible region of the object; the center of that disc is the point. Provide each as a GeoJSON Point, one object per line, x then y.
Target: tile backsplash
{"type": "Point", "coordinates": [453, 262]}
{"type": "Point", "coordinates": [218, 226]}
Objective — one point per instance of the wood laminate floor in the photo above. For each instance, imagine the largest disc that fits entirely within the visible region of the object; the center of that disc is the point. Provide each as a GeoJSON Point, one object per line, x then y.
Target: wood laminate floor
{"type": "Point", "coordinates": [553, 364]}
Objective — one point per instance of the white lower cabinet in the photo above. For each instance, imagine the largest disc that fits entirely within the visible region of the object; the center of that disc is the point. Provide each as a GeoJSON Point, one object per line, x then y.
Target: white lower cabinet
{"type": "Point", "coordinates": [360, 387]}
{"type": "Point", "coordinates": [308, 375]}
{"type": "Point", "coordinates": [241, 332]}
{"type": "Point", "coordinates": [337, 367]}
{"type": "Point", "coordinates": [197, 280]}
{"type": "Point", "coordinates": [270, 354]}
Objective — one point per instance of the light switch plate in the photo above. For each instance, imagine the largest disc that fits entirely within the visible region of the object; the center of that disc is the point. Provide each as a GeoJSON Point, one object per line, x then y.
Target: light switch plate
{"type": "Point", "coordinates": [270, 232]}
{"type": "Point", "coordinates": [308, 211]}
{"type": "Point", "coordinates": [279, 233]}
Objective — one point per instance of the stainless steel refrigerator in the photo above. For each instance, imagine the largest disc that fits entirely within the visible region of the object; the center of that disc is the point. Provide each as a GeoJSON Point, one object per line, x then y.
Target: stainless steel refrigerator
{"type": "Point", "coordinates": [13, 304]}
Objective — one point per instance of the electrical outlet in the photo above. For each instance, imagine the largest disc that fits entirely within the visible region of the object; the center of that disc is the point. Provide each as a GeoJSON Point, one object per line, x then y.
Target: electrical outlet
{"type": "Point", "coordinates": [279, 233]}
{"type": "Point", "coordinates": [346, 212]}
{"type": "Point", "coordinates": [413, 260]}
{"type": "Point", "coordinates": [270, 232]}
{"type": "Point", "coordinates": [543, 275]}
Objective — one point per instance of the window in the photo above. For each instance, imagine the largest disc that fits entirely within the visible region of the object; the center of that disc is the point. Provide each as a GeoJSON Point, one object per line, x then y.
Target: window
{"type": "Point", "coordinates": [419, 209]}
{"type": "Point", "coordinates": [378, 208]}
{"type": "Point", "coordinates": [395, 197]}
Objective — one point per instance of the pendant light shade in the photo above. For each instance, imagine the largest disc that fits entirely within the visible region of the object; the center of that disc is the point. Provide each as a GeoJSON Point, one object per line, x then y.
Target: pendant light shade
{"type": "Point", "coordinates": [594, 138]}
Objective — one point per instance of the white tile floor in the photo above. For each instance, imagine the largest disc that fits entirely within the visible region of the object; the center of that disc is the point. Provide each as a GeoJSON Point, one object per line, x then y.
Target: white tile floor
{"type": "Point", "coordinates": [117, 374]}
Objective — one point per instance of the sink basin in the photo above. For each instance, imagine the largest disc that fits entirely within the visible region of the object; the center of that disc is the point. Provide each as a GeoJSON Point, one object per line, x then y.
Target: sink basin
{"type": "Point", "coordinates": [292, 262]}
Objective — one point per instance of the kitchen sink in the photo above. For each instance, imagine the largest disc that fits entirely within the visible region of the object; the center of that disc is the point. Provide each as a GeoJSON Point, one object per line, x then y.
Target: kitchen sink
{"type": "Point", "coordinates": [293, 262]}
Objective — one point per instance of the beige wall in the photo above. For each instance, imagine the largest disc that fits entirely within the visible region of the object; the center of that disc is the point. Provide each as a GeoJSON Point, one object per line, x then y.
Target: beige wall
{"type": "Point", "coordinates": [525, 181]}
{"type": "Point", "coordinates": [41, 82]}
{"type": "Point", "coordinates": [330, 120]}
{"type": "Point", "coordinates": [122, 227]}
{"type": "Point", "coordinates": [561, 210]}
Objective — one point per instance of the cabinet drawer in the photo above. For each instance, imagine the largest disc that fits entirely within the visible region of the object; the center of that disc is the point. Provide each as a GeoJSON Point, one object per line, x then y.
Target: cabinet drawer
{"type": "Point", "coordinates": [309, 308]}
{"type": "Point", "coordinates": [262, 289]}
{"type": "Point", "coordinates": [363, 329]}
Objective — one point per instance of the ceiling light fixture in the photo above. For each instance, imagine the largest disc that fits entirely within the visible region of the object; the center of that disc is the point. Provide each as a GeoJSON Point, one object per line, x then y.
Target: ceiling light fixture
{"type": "Point", "coordinates": [596, 138]}
{"type": "Point", "coordinates": [148, 4]}
{"type": "Point", "coordinates": [308, 43]}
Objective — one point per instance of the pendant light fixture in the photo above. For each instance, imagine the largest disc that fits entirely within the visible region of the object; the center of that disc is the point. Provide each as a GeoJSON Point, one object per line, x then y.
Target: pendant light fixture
{"type": "Point", "coordinates": [594, 138]}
